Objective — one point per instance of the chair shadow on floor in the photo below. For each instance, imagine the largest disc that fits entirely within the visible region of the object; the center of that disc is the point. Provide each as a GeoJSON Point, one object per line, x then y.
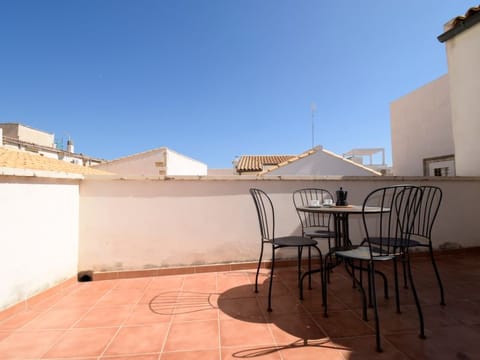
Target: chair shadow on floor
{"type": "Point", "coordinates": [241, 303]}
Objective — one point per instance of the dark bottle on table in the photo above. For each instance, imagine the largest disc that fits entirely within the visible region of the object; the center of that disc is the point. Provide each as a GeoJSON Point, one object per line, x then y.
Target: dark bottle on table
{"type": "Point", "coordinates": [341, 197]}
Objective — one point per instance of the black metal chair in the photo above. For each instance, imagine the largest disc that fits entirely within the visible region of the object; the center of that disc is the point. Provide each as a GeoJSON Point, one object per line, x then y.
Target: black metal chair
{"type": "Point", "coordinates": [266, 218]}
{"type": "Point", "coordinates": [421, 235]}
{"type": "Point", "coordinates": [314, 225]}
{"type": "Point", "coordinates": [387, 234]}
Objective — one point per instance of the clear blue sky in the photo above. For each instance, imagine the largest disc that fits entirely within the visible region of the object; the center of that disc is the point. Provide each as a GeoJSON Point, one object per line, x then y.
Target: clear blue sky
{"type": "Point", "coordinates": [213, 79]}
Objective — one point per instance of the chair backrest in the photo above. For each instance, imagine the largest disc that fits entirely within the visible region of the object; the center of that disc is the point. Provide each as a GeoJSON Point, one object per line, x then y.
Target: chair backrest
{"type": "Point", "coordinates": [388, 231]}
{"type": "Point", "coordinates": [302, 197]}
{"type": "Point", "coordinates": [266, 214]}
{"type": "Point", "coordinates": [427, 211]}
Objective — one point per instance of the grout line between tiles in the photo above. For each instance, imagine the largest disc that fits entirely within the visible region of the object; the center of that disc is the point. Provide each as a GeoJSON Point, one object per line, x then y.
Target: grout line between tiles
{"type": "Point", "coordinates": [73, 325]}
{"type": "Point", "coordinates": [122, 324]}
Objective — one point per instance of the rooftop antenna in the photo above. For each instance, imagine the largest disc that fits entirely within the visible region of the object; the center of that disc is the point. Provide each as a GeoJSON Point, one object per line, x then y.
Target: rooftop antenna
{"type": "Point", "coordinates": [313, 107]}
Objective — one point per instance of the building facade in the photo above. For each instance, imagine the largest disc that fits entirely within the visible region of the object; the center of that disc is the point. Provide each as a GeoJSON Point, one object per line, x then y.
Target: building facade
{"type": "Point", "coordinates": [435, 128]}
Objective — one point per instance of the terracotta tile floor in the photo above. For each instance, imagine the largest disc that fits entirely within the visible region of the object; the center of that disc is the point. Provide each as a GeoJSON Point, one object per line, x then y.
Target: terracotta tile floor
{"type": "Point", "coordinates": [217, 316]}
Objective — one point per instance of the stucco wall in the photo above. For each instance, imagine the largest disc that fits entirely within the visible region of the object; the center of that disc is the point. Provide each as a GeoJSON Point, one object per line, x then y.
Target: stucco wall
{"type": "Point", "coordinates": [463, 55]}
{"type": "Point", "coordinates": [25, 133]}
{"type": "Point", "coordinates": [140, 164]}
{"type": "Point", "coordinates": [138, 224]}
{"type": "Point", "coordinates": [322, 164]}
{"type": "Point", "coordinates": [39, 241]}
{"type": "Point", "coordinates": [178, 164]}
{"type": "Point", "coordinates": [421, 127]}
{"type": "Point", "coordinates": [155, 163]}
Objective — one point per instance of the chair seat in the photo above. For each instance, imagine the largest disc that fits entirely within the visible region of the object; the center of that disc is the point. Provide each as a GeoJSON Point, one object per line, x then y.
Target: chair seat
{"type": "Point", "coordinates": [395, 242]}
{"type": "Point", "coordinates": [294, 241]}
{"type": "Point", "coordinates": [318, 232]}
{"type": "Point", "coordinates": [363, 253]}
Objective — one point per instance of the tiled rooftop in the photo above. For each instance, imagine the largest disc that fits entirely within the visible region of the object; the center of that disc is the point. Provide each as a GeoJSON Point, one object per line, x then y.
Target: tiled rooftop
{"type": "Point", "coordinates": [218, 316]}
{"type": "Point", "coordinates": [460, 23]}
{"type": "Point", "coordinates": [25, 160]}
{"type": "Point", "coordinates": [460, 19]}
{"type": "Point", "coordinates": [257, 162]}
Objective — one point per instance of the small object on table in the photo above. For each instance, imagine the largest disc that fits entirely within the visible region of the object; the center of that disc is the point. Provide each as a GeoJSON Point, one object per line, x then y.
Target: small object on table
{"type": "Point", "coordinates": [341, 197]}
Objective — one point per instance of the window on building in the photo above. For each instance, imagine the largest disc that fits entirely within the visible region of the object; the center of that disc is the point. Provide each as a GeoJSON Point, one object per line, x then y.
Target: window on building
{"type": "Point", "coordinates": [439, 166]}
{"type": "Point", "coordinates": [443, 171]}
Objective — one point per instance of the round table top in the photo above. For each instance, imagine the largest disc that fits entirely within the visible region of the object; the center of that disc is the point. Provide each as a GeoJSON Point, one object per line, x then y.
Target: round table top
{"type": "Point", "coordinates": [347, 209]}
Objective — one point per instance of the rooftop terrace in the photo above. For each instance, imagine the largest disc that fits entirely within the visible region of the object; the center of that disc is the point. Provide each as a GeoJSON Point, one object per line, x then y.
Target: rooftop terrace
{"type": "Point", "coordinates": [218, 316]}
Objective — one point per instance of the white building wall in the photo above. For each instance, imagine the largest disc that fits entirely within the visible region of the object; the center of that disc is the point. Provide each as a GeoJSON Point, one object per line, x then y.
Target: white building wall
{"type": "Point", "coordinates": [143, 164]}
{"type": "Point", "coordinates": [28, 134]}
{"type": "Point", "coordinates": [178, 165]}
{"type": "Point", "coordinates": [421, 127]}
{"type": "Point", "coordinates": [155, 163]}
{"type": "Point", "coordinates": [39, 241]}
{"type": "Point", "coordinates": [321, 164]}
{"type": "Point", "coordinates": [463, 55]}
{"type": "Point", "coordinates": [143, 224]}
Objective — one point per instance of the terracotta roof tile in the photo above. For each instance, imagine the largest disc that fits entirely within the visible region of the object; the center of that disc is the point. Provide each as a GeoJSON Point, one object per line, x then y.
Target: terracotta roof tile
{"type": "Point", "coordinates": [460, 23]}
{"type": "Point", "coordinates": [459, 19]}
{"type": "Point", "coordinates": [29, 161]}
{"type": "Point", "coordinates": [252, 163]}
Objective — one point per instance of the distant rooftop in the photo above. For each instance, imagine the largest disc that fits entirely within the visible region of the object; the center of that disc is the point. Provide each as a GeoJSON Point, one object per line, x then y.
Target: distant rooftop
{"type": "Point", "coordinates": [460, 23]}
{"type": "Point", "coordinates": [14, 159]}
{"type": "Point", "coordinates": [256, 163]}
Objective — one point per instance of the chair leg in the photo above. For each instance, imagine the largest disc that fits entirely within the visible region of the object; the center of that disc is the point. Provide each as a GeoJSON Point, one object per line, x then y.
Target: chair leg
{"type": "Point", "coordinates": [299, 264]}
{"type": "Point", "coordinates": [258, 269]}
{"type": "Point", "coordinates": [325, 282]}
{"type": "Point", "coordinates": [309, 267]}
{"type": "Point", "coordinates": [405, 283]}
{"type": "Point", "coordinates": [370, 290]}
{"type": "Point", "coordinates": [269, 308]}
{"type": "Point", "coordinates": [310, 271]}
{"type": "Point", "coordinates": [322, 271]}
{"type": "Point", "coordinates": [360, 272]}
{"type": "Point", "coordinates": [385, 283]}
{"type": "Point", "coordinates": [358, 282]}
{"type": "Point", "coordinates": [417, 301]}
{"type": "Point", "coordinates": [437, 274]}
{"type": "Point", "coordinates": [371, 274]}
{"type": "Point", "coordinates": [397, 294]}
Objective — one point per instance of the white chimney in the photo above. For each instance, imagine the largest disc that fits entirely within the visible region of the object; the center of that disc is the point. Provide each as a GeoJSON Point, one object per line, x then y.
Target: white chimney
{"type": "Point", "coordinates": [70, 147]}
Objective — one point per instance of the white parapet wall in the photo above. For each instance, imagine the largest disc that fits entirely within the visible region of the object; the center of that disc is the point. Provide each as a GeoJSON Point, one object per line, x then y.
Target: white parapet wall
{"type": "Point", "coordinates": [51, 230]}
{"type": "Point", "coordinates": [143, 224]}
{"type": "Point", "coordinates": [39, 241]}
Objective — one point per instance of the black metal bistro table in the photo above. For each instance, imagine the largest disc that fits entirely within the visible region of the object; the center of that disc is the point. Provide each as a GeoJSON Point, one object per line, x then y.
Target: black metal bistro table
{"type": "Point", "coordinates": [342, 234]}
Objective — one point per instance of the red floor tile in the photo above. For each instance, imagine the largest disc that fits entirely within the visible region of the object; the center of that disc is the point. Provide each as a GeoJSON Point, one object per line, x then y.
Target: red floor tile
{"type": "Point", "coordinates": [131, 357]}
{"type": "Point", "coordinates": [242, 333]}
{"type": "Point", "coordinates": [143, 314]}
{"type": "Point", "coordinates": [267, 352]}
{"type": "Point", "coordinates": [82, 342]}
{"type": "Point", "coordinates": [62, 318]}
{"type": "Point", "coordinates": [28, 344]}
{"type": "Point", "coordinates": [287, 329]}
{"type": "Point", "coordinates": [218, 316]}
{"type": "Point", "coordinates": [123, 296]}
{"type": "Point", "coordinates": [19, 320]}
{"type": "Point", "coordinates": [138, 340]}
{"type": "Point", "coordinates": [192, 355]}
{"type": "Point", "coordinates": [166, 283]}
{"type": "Point", "coordinates": [205, 283]}
{"type": "Point", "coordinates": [193, 335]}
{"type": "Point", "coordinates": [111, 316]}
